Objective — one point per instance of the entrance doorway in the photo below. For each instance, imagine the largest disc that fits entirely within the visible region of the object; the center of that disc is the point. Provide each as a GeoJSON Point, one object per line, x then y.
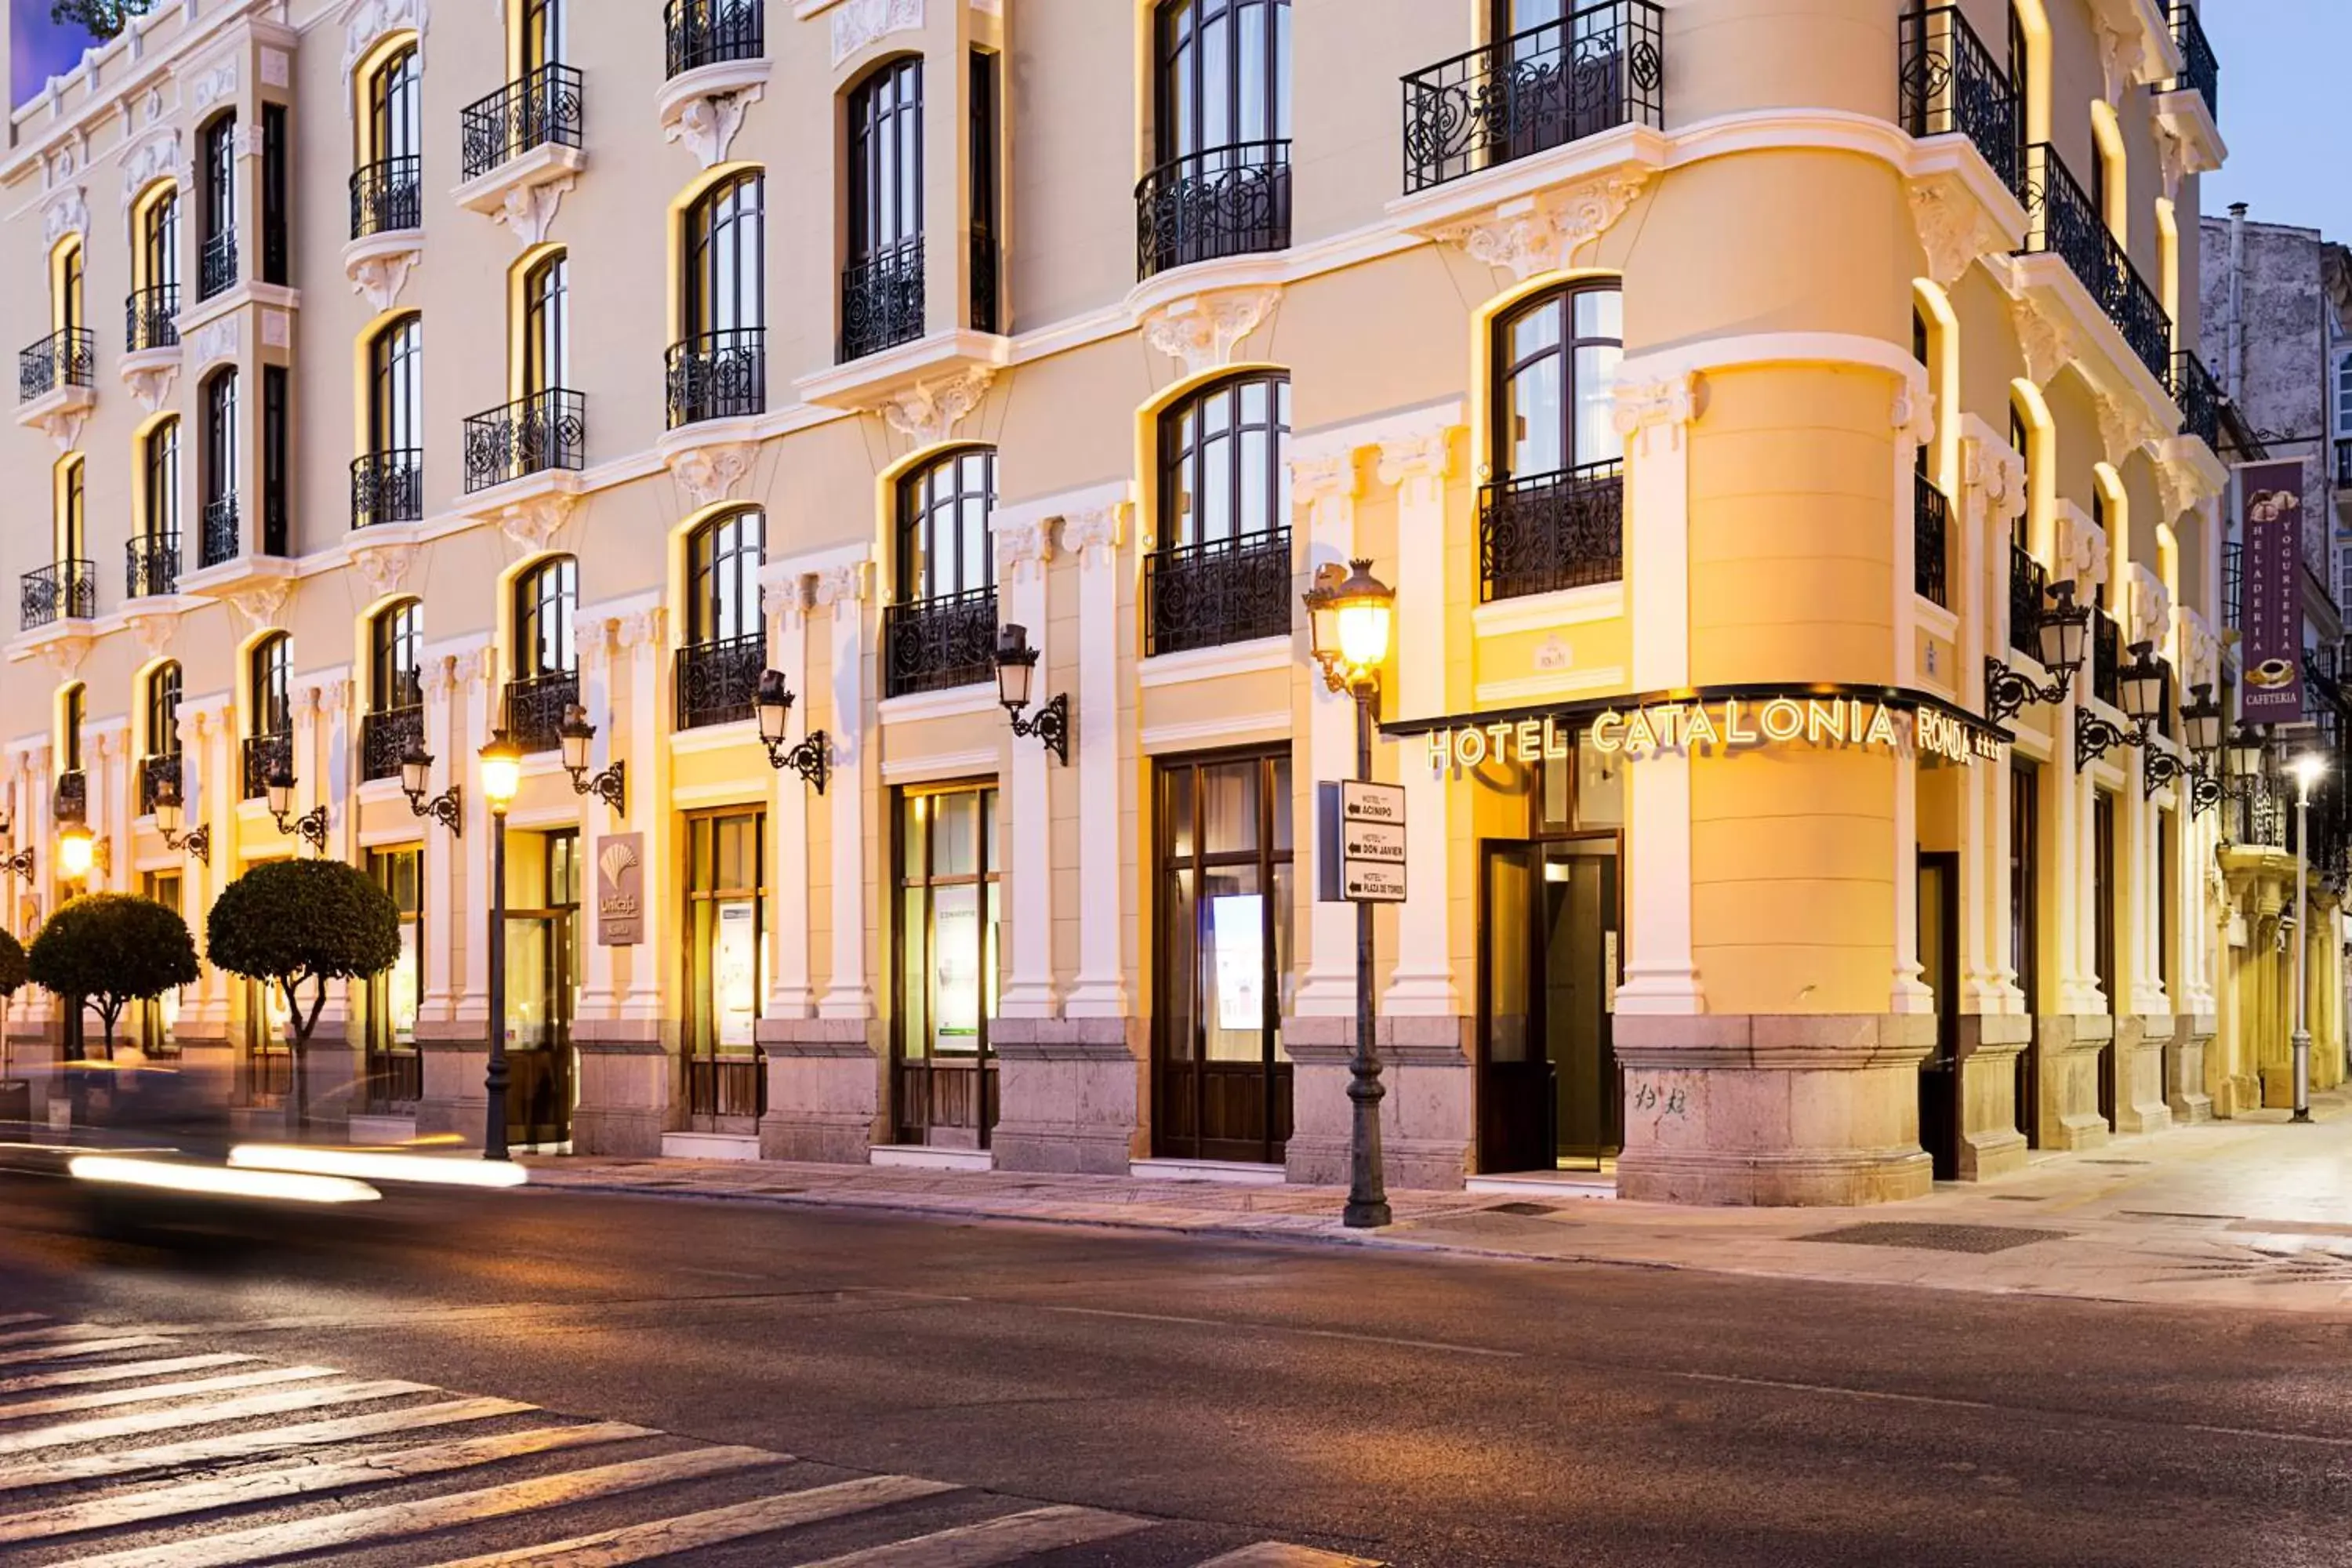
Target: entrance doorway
{"type": "Point", "coordinates": [1550, 1092]}
{"type": "Point", "coordinates": [1939, 961]}
{"type": "Point", "coordinates": [543, 981]}
{"type": "Point", "coordinates": [726, 1077]}
{"type": "Point", "coordinates": [947, 955]}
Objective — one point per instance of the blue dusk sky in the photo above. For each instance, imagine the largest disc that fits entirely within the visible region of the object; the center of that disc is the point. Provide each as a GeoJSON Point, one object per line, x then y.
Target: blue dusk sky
{"type": "Point", "coordinates": [38, 48]}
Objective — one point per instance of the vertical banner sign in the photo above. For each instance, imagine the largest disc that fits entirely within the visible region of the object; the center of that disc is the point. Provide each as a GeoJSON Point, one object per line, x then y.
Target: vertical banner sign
{"type": "Point", "coordinates": [620, 889]}
{"type": "Point", "coordinates": [2271, 619]}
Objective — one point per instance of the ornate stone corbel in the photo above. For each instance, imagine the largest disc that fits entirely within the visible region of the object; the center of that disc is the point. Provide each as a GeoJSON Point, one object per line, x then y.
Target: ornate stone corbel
{"type": "Point", "coordinates": [1953, 226]}
{"type": "Point", "coordinates": [1201, 332]}
{"type": "Point", "coordinates": [63, 427]}
{"type": "Point", "coordinates": [2082, 552]}
{"type": "Point", "coordinates": [1419, 462]}
{"type": "Point", "coordinates": [710, 474]}
{"type": "Point", "coordinates": [529, 211]}
{"type": "Point", "coordinates": [380, 279]}
{"type": "Point", "coordinates": [2124, 426]}
{"type": "Point", "coordinates": [1999, 473]}
{"type": "Point", "coordinates": [263, 603]}
{"type": "Point", "coordinates": [2042, 339]}
{"type": "Point", "coordinates": [2150, 607]}
{"type": "Point", "coordinates": [1914, 413]}
{"type": "Point", "coordinates": [153, 633]}
{"type": "Point", "coordinates": [2199, 651]}
{"type": "Point", "coordinates": [1534, 235]}
{"type": "Point", "coordinates": [927, 412]}
{"type": "Point", "coordinates": [533, 524]}
{"type": "Point", "coordinates": [707, 124]}
{"type": "Point", "coordinates": [152, 385]}
{"type": "Point", "coordinates": [64, 654]}
{"type": "Point", "coordinates": [381, 564]}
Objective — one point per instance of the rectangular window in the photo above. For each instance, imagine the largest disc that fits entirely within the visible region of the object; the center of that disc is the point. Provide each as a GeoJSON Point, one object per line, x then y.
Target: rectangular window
{"type": "Point", "coordinates": [273, 193]}
{"type": "Point", "coordinates": [2344, 395]}
{"type": "Point", "coordinates": [947, 957]}
{"type": "Point", "coordinates": [726, 968]}
{"type": "Point", "coordinates": [158, 1017]}
{"type": "Point", "coordinates": [984, 284]}
{"type": "Point", "coordinates": [275, 502]}
{"type": "Point", "coordinates": [393, 995]}
{"type": "Point", "coordinates": [2025, 928]}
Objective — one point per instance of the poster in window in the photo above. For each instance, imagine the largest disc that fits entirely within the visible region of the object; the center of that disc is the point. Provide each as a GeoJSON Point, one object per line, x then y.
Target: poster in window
{"type": "Point", "coordinates": [955, 953]}
{"type": "Point", "coordinates": [734, 972]}
{"type": "Point", "coordinates": [1238, 927]}
{"type": "Point", "coordinates": [400, 988]}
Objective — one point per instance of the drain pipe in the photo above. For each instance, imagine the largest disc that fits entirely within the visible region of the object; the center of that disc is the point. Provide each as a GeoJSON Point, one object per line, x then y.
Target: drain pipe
{"type": "Point", "coordinates": [2234, 327]}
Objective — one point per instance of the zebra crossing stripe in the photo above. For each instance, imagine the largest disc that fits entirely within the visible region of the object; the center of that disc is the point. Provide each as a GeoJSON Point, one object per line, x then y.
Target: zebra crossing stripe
{"type": "Point", "coordinates": [182, 1390]}
{"type": "Point", "coordinates": [251, 1444]}
{"type": "Point", "coordinates": [370, 1526]}
{"type": "Point", "coordinates": [80, 1348]}
{"type": "Point", "coordinates": [6, 1318]}
{"type": "Point", "coordinates": [713, 1527]}
{"type": "Point", "coordinates": [203, 1414]}
{"type": "Point", "coordinates": [1276, 1555]}
{"type": "Point", "coordinates": [1000, 1539]}
{"type": "Point", "coordinates": [58, 1331]}
{"type": "Point", "coordinates": [117, 1372]}
{"type": "Point", "coordinates": [304, 1478]}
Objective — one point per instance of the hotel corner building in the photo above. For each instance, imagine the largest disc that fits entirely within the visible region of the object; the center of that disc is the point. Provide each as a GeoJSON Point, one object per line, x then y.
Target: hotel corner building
{"type": "Point", "coordinates": [1720, 383]}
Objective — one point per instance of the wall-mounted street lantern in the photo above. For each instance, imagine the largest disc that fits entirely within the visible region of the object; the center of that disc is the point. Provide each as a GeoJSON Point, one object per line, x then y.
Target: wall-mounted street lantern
{"type": "Point", "coordinates": [311, 827]}
{"type": "Point", "coordinates": [2200, 729]}
{"type": "Point", "coordinates": [448, 808]}
{"type": "Point", "coordinates": [21, 862]}
{"type": "Point", "coordinates": [2139, 691]}
{"type": "Point", "coordinates": [1017, 669]}
{"type": "Point", "coordinates": [810, 758]}
{"type": "Point", "coordinates": [2060, 638]}
{"type": "Point", "coordinates": [170, 815]}
{"type": "Point", "coordinates": [612, 786]}
{"type": "Point", "coordinates": [79, 851]}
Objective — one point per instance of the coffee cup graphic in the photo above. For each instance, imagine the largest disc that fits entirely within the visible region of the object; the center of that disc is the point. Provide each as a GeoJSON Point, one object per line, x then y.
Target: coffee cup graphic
{"type": "Point", "coordinates": [2271, 674]}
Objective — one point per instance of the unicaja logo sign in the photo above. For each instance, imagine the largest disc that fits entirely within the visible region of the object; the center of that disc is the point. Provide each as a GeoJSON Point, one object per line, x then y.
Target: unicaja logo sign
{"type": "Point", "coordinates": [620, 890]}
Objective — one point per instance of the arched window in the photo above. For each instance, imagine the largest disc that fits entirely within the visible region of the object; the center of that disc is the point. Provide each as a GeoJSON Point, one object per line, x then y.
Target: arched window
{"type": "Point", "coordinates": [388, 480]}
{"type": "Point", "coordinates": [395, 722]}
{"type": "Point", "coordinates": [940, 631]}
{"type": "Point", "coordinates": [542, 34]}
{"type": "Point", "coordinates": [216, 259]}
{"type": "Point", "coordinates": [160, 764]}
{"type": "Point", "coordinates": [719, 669]}
{"type": "Point", "coordinates": [222, 539]}
{"type": "Point", "coordinates": [66, 307]}
{"type": "Point", "coordinates": [1222, 573]}
{"type": "Point", "coordinates": [1554, 516]}
{"type": "Point", "coordinates": [1221, 131]}
{"type": "Point", "coordinates": [882, 292]}
{"type": "Point", "coordinates": [385, 189]}
{"type": "Point", "coordinates": [159, 242]}
{"type": "Point", "coordinates": [72, 532]}
{"type": "Point", "coordinates": [719, 371]}
{"type": "Point", "coordinates": [546, 664]}
{"type": "Point", "coordinates": [160, 452]}
{"type": "Point", "coordinates": [269, 710]}
{"type": "Point", "coordinates": [546, 324]}
{"type": "Point", "coordinates": [74, 712]}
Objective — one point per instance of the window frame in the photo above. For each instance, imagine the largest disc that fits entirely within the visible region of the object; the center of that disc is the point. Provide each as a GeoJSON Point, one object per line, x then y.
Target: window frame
{"type": "Point", "coordinates": [1182, 95]}
{"type": "Point", "coordinates": [922, 504]}
{"type": "Point", "coordinates": [886, 158]}
{"type": "Point", "coordinates": [725, 262]}
{"type": "Point", "coordinates": [547, 323]}
{"type": "Point", "coordinates": [396, 385]}
{"type": "Point", "coordinates": [395, 657]}
{"type": "Point", "coordinates": [269, 688]}
{"type": "Point", "coordinates": [546, 604]}
{"type": "Point", "coordinates": [1507, 371]}
{"type": "Point", "coordinates": [1184, 462]}
{"type": "Point", "coordinates": [723, 558]}
{"type": "Point", "coordinates": [396, 106]}
{"type": "Point", "coordinates": [165, 688]}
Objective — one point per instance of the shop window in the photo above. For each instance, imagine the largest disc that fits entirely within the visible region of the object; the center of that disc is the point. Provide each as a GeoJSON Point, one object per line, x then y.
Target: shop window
{"type": "Point", "coordinates": [159, 1016]}
{"type": "Point", "coordinates": [394, 1068]}
{"type": "Point", "coordinates": [727, 967]}
{"type": "Point", "coordinates": [946, 964]}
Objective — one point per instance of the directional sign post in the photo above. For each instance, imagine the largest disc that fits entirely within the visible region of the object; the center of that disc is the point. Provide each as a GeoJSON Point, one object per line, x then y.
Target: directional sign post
{"type": "Point", "coordinates": [1360, 827]}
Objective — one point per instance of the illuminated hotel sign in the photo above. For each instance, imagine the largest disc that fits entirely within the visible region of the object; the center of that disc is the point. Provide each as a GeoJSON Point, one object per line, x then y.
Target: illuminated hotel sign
{"type": "Point", "coordinates": [1895, 722]}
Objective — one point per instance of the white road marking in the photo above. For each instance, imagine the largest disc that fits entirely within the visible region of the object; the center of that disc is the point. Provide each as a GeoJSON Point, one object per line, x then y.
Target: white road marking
{"type": "Point", "coordinates": [80, 1348]}
{"type": "Point", "coordinates": [305, 1477]}
{"type": "Point", "coordinates": [117, 1372]}
{"type": "Point", "coordinates": [1278, 1554]}
{"type": "Point", "coordinates": [23, 1317]}
{"type": "Point", "coordinates": [248, 1445]}
{"type": "Point", "coordinates": [203, 1414]}
{"type": "Point", "coordinates": [1000, 1539]}
{"type": "Point", "coordinates": [713, 1527]}
{"type": "Point", "coordinates": [369, 1526]}
{"type": "Point", "coordinates": [184, 1390]}
{"type": "Point", "coordinates": [55, 1332]}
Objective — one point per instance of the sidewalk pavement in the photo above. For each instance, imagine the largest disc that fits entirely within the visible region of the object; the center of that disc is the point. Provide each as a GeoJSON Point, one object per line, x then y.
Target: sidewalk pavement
{"type": "Point", "coordinates": [2249, 1213]}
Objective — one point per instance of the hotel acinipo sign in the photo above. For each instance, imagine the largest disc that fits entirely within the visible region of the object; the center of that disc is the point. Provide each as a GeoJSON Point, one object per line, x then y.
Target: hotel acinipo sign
{"type": "Point", "coordinates": [1897, 722]}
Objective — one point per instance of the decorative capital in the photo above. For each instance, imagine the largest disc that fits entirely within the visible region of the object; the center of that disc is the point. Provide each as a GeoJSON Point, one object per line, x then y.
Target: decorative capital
{"type": "Point", "coordinates": [1999, 472]}
{"type": "Point", "coordinates": [1645, 408]}
{"type": "Point", "coordinates": [1420, 458]}
{"type": "Point", "coordinates": [1325, 476]}
{"type": "Point", "coordinates": [927, 412]}
{"type": "Point", "coordinates": [639, 629]}
{"type": "Point", "coordinates": [1093, 535]}
{"type": "Point", "coordinates": [440, 677]}
{"type": "Point", "coordinates": [838, 586]}
{"type": "Point", "coordinates": [1914, 413]}
{"type": "Point", "coordinates": [1023, 548]}
{"type": "Point", "coordinates": [1201, 332]}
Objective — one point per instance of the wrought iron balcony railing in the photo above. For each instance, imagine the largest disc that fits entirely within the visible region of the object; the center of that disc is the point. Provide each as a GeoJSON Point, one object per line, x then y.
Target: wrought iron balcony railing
{"type": "Point", "coordinates": [387, 195]}
{"type": "Point", "coordinates": [1592, 71]}
{"type": "Point", "coordinates": [1216, 592]}
{"type": "Point", "coordinates": [1228, 200]}
{"type": "Point", "coordinates": [717, 375]}
{"type": "Point", "coordinates": [535, 705]}
{"type": "Point", "coordinates": [70, 799]}
{"type": "Point", "coordinates": [2029, 596]}
{"type": "Point", "coordinates": [264, 755]}
{"type": "Point", "coordinates": [1951, 82]}
{"type": "Point", "coordinates": [1549, 531]}
{"type": "Point", "coordinates": [2106, 658]}
{"type": "Point", "coordinates": [2233, 585]}
{"type": "Point", "coordinates": [150, 566]}
{"type": "Point", "coordinates": [223, 535]}
{"type": "Point", "coordinates": [150, 319]}
{"type": "Point", "coordinates": [882, 301]}
{"type": "Point", "coordinates": [388, 487]}
{"type": "Point", "coordinates": [2063, 221]}
{"type": "Point", "coordinates": [2199, 397]}
{"type": "Point", "coordinates": [2200, 72]}
{"type": "Point", "coordinates": [61, 591]}
{"type": "Point", "coordinates": [709, 32]}
{"type": "Point", "coordinates": [718, 681]}
{"type": "Point", "coordinates": [67, 357]}
{"type": "Point", "coordinates": [546, 430]}
{"type": "Point", "coordinates": [216, 265]}
{"type": "Point", "coordinates": [540, 110]}
{"type": "Point", "coordinates": [154, 772]}
{"type": "Point", "coordinates": [1931, 528]}
{"type": "Point", "coordinates": [930, 645]}
{"type": "Point", "coordinates": [388, 736]}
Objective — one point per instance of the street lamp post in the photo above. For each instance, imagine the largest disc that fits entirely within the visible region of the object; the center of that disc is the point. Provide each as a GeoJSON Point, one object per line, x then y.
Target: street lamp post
{"type": "Point", "coordinates": [501, 776]}
{"type": "Point", "coordinates": [1349, 615]}
{"type": "Point", "coordinates": [2307, 769]}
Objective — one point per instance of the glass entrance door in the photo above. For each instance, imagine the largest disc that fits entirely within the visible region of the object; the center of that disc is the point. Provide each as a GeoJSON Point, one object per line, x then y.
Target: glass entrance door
{"type": "Point", "coordinates": [725, 1075]}
{"type": "Point", "coordinates": [1550, 1095]}
{"type": "Point", "coordinates": [1940, 1075]}
{"type": "Point", "coordinates": [538, 1026]}
{"type": "Point", "coordinates": [947, 955]}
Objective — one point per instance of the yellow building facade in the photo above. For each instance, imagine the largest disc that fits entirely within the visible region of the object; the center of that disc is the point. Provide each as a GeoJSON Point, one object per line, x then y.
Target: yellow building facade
{"type": "Point", "coordinates": [1718, 382]}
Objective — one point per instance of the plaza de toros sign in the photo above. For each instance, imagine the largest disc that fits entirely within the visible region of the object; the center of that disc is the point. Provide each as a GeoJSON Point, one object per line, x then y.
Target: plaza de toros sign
{"type": "Point", "coordinates": [1896, 723]}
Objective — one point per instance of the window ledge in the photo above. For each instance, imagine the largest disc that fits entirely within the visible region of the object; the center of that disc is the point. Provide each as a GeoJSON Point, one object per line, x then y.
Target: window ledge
{"type": "Point", "coordinates": [1256, 654]}
{"type": "Point", "coordinates": [58, 413]}
{"type": "Point", "coordinates": [1547, 612]}
{"type": "Point", "coordinates": [955, 703]}
{"type": "Point", "coordinates": [739, 732]}
{"type": "Point", "coordinates": [378, 264]}
{"type": "Point", "coordinates": [724, 90]}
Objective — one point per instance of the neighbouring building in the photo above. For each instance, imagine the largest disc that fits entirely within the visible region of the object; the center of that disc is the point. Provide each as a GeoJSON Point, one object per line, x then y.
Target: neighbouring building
{"type": "Point", "coordinates": [1741, 395]}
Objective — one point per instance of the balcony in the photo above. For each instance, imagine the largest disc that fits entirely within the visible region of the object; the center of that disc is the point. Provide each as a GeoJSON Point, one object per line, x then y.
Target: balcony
{"type": "Point", "coordinates": [150, 319]}
{"type": "Point", "coordinates": [264, 755]}
{"type": "Point", "coordinates": [2200, 72]}
{"type": "Point", "coordinates": [1549, 531]}
{"type": "Point", "coordinates": [1931, 528]}
{"type": "Point", "coordinates": [62, 591]}
{"type": "Point", "coordinates": [2233, 585]}
{"type": "Point", "coordinates": [388, 736]}
{"type": "Point", "coordinates": [535, 706]}
{"type": "Point", "coordinates": [1220, 591]}
{"type": "Point", "coordinates": [1951, 83]}
{"type": "Point", "coordinates": [2061, 221]}
{"type": "Point", "coordinates": [216, 265]}
{"type": "Point", "coordinates": [932, 645]}
{"type": "Point", "coordinates": [546, 430]}
{"type": "Point", "coordinates": [2199, 397]}
{"type": "Point", "coordinates": [1228, 200]}
{"type": "Point", "coordinates": [1592, 71]}
{"type": "Point", "coordinates": [223, 540]}
{"type": "Point", "coordinates": [882, 301]}
{"type": "Point", "coordinates": [2106, 658]}
{"type": "Point", "coordinates": [541, 110]}
{"type": "Point", "coordinates": [64, 360]}
{"type": "Point", "coordinates": [155, 773]}
{"type": "Point", "coordinates": [717, 375]}
{"type": "Point", "coordinates": [152, 566]}
{"type": "Point", "coordinates": [712, 32]}
{"type": "Point", "coordinates": [388, 487]}
{"type": "Point", "coordinates": [2028, 595]}
{"type": "Point", "coordinates": [387, 195]}
{"type": "Point", "coordinates": [70, 799]}
{"type": "Point", "coordinates": [717, 682]}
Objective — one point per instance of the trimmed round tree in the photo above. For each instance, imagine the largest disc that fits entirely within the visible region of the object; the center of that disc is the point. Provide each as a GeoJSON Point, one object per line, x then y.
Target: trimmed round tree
{"type": "Point", "coordinates": [16, 969]}
{"type": "Point", "coordinates": [106, 951]}
{"type": "Point", "coordinates": [297, 925]}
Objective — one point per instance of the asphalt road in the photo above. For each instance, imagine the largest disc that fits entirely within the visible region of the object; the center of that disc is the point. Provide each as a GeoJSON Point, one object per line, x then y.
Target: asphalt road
{"type": "Point", "coordinates": [1438, 1411]}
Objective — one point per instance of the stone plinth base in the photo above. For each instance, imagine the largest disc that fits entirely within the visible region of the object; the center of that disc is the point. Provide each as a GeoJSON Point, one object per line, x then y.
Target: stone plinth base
{"type": "Point", "coordinates": [1989, 1044]}
{"type": "Point", "coordinates": [628, 1079]}
{"type": "Point", "coordinates": [2185, 1067]}
{"type": "Point", "coordinates": [453, 1099]}
{"type": "Point", "coordinates": [1773, 1109]}
{"type": "Point", "coordinates": [1070, 1094]}
{"type": "Point", "coordinates": [2070, 1044]}
{"type": "Point", "coordinates": [2141, 1039]}
{"type": "Point", "coordinates": [824, 1089]}
{"type": "Point", "coordinates": [1425, 1110]}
